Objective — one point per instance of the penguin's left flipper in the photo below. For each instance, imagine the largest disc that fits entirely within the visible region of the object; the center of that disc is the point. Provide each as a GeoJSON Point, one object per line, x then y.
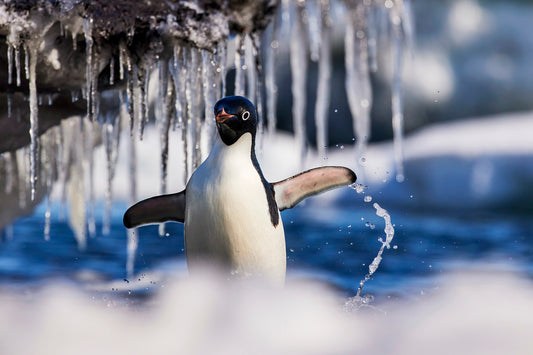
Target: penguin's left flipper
{"type": "Point", "coordinates": [291, 191]}
{"type": "Point", "coordinates": [156, 210]}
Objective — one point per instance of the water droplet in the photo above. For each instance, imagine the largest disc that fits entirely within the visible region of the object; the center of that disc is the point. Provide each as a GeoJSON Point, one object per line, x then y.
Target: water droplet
{"type": "Point", "coordinates": [336, 110]}
{"type": "Point", "coordinates": [368, 198]}
{"type": "Point", "coordinates": [394, 247]}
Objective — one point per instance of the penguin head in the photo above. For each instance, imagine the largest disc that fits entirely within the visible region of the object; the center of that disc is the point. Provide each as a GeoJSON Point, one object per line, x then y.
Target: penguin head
{"type": "Point", "coordinates": [235, 116]}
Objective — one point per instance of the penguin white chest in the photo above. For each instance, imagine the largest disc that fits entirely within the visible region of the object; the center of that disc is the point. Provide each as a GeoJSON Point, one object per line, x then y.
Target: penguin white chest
{"type": "Point", "coordinates": [227, 218]}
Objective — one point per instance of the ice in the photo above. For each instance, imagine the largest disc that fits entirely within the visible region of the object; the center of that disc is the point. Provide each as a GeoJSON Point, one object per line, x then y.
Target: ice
{"type": "Point", "coordinates": [91, 73]}
{"type": "Point", "coordinates": [34, 120]}
{"type": "Point", "coordinates": [298, 62]}
{"type": "Point", "coordinates": [112, 71]}
{"type": "Point", "coordinates": [111, 136]}
{"type": "Point", "coordinates": [240, 66]}
{"type": "Point", "coordinates": [9, 64]}
{"type": "Point", "coordinates": [271, 88]}
{"type": "Point", "coordinates": [358, 89]}
{"type": "Point", "coordinates": [324, 77]}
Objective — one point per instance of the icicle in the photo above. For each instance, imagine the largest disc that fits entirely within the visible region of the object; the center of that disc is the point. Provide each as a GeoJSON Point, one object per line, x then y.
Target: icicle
{"type": "Point", "coordinates": [221, 69]}
{"type": "Point", "coordinates": [192, 98]}
{"type": "Point", "coordinates": [9, 64]}
{"type": "Point", "coordinates": [132, 166]}
{"type": "Point", "coordinates": [63, 155]}
{"type": "Point", "coordinates": [163, 113]}
{"type": "Point", "coordinates": [9, 171]}
{"type": "Point", "coordinates": [47, 215]}
{"type": "Point", "coordinates": [255, 80]}
{"type": "Point", "coordinates": [372, 38]}
{"type": "Point", "coordinates": [210, 78]}
{"type": "Point", "coordinates": [314, 28]}
{"type": "Point", "coordinates": [271, 53]}
{"type": "Point", "coordinates": [324, 76]}
{"type": "Point", "coordinates": [111, 136]}
{"type": "Point", "coordinates": [34, 121]}
{"type": "Point", "coordinates": [126, 61]}
{"type": "Point", "coordinates": [178, 70]}
{"type": "Point", "coordinates": [27, 61]}
{"type": "Point", "coordinates": [251, 73]}
{"type": "Point", "coordinates": [298, 59]}
{"type": "Point", "coordinates": [112, 70]}
{"type": "Point", "coordinates": [22, 175]}
{"type": "Point", "coordinates": [91, 73]}
{"type": "Point", "coordinates": [240, 66]}
{"type": "Point", "coordinates": [47, 161]}
{"type": "Point", "coordinates": [398, 16]}
{"type": "Point", "coordinates": [76, 189]}
{"type": "Point", "coordinates": [143, 79]}
{"type": "Point", "coordinates": [121, 61]}
{"type": "Point", "coordinates": [133, 242]}
{"type": "Point", "coordinates": [358, 88]}
{"type": "Point", "coordinates": [88, 163]}
{"type": "Point", "coordinates": [17, 64]}
{"type": "Point", "coordinates": [197, 105]}
{"type": "Point", "coordinates": [397, 110]}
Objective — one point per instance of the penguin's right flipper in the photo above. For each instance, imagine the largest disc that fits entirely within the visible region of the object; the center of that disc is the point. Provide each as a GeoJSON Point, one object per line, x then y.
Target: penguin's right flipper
{"type": "Point", "coordinates": [156, 210]}
{"type": "Point", "coordinates": [291, 191]}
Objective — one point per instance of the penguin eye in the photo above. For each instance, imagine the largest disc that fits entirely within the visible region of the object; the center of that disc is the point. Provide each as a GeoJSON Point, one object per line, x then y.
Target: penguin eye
{"type": "Point", "coordinates": [245, 115]}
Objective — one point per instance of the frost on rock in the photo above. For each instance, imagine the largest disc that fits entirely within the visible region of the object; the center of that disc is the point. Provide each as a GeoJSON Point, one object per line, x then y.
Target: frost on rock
{"type": "Point", "coordinates": [81, 72]}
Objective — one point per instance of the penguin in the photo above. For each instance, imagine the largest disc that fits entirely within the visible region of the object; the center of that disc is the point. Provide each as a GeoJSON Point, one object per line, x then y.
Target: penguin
{"type": "Point", "coordinates": [231, 213]}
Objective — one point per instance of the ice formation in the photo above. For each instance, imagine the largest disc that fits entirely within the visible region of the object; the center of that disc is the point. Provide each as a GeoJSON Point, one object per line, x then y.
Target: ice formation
{"type": "Point", "coordinates": [129, 63]}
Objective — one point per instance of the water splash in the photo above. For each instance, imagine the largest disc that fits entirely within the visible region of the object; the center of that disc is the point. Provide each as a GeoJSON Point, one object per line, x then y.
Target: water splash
{"type": "Point", "coordinates": [389, 235]}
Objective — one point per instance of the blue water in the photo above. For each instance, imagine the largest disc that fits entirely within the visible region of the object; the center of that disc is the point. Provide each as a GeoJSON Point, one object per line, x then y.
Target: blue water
{"type": "Point", "coordinates": [333, 244]}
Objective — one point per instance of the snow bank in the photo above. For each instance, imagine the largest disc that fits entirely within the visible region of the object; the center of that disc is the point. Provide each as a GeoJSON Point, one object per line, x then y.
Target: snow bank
{"type": "Point", "coordinates": [477, 313]}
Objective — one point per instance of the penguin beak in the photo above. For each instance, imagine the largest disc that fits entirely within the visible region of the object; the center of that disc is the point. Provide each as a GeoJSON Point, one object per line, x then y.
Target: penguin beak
{"type": "Point", "coordinates": [222, 116]}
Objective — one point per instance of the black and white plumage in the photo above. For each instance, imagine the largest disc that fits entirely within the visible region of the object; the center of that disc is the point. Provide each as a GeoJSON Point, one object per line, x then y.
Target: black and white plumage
{"type": "Point", "coordinates": [230, 211]}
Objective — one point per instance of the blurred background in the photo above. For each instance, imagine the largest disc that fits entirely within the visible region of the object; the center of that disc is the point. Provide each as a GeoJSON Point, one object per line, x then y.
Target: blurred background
{"type": "Point", "coordinates": [466, 197]}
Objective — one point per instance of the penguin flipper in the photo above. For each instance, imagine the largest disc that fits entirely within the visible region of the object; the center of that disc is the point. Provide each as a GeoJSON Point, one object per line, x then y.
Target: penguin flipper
{"type": "Point", "coordinates": [156, 210]}
{"type": "Point", "coordinates": [291, 191]}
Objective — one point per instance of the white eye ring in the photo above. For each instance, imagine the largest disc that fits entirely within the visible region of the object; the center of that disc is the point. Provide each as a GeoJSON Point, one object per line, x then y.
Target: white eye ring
{"type": "Point", "coordinates": [245, 115]}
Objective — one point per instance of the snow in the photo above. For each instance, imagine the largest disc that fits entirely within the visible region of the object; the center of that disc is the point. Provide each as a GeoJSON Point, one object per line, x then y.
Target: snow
{"type": "Point", "coordinates": [476, 313]}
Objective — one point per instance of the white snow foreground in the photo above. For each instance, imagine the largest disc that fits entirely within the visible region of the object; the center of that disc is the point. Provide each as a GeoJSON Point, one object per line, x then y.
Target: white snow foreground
{"type": "Point", "coordinates": [479, 313]}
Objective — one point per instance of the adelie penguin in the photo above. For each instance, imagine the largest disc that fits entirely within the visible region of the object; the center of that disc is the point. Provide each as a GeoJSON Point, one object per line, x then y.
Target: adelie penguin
{"type": "Point", "coordinates": [231, 212]}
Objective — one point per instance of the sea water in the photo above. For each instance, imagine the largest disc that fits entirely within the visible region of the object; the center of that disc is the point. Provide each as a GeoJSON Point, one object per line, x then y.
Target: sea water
{"type": "Point", "coordinates": [332, 244]}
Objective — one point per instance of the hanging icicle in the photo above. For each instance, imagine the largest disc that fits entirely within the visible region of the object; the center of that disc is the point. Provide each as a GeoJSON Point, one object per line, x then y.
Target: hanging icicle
{"type": "Point", "coordinates": [271, 52]}
{"type": "Point", "coordinates": [240, 65]}
{"type": "Point", "coordinates": [358, 89]}
{"type": "Point", "coordinates": [298, 59]}
{"type": "Point", "coordinates": [324, 77]}
{"type": "Point", "coordinates": [34, 119]}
